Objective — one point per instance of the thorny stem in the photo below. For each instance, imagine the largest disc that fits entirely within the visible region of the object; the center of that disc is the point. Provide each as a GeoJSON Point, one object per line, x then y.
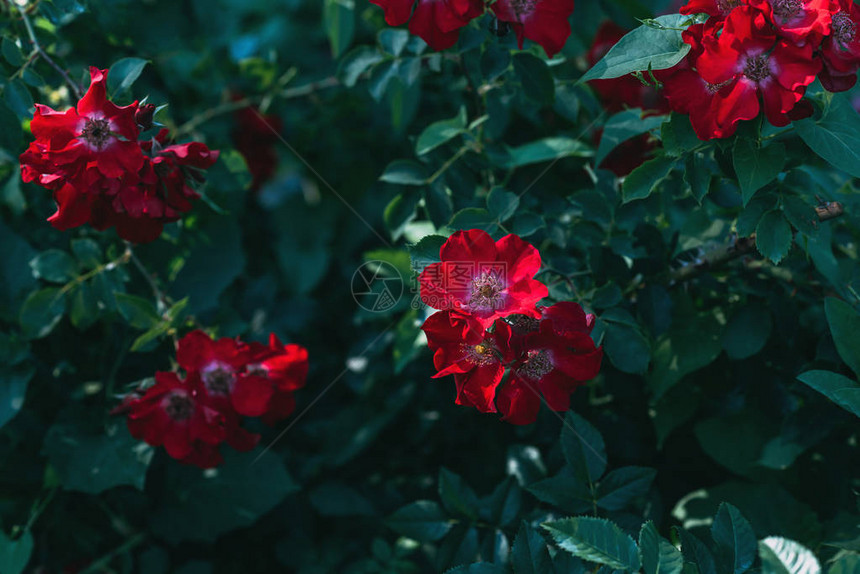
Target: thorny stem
{"type": "Point", "coordinates": [161, 299]}
{"type": "Point", "coordinates": [76, 89]}
{"type": "Point", "coordinates": [234, 106]}
{"type": "Point", "coordinates": [741, 246]}
{"type": "Point", "coordinates": [121, 260]}
{"type": "Point", "coordinates": [451, 161]}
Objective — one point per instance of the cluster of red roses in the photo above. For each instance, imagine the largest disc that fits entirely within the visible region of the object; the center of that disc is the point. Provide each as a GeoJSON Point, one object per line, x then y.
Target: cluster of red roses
{"type": "Point", "coordinates": [489, 323]}
{"type": "Point", "coordinates": [438, 22]}
{"type": "Point", "coordinates": [224, 380]}
{"type": "Point", "coordinates": [99, 172]}
{"type": "Point", "coordinates": [751, 54]}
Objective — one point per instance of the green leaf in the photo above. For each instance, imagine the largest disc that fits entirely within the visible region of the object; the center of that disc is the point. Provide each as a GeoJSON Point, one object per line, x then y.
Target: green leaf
{"type": "Point", "coordinates": [426, 251]}
{"type": "Point", "coordinates": [696, 175]}
{"type": "Point", "coordinates": [695, 552]}
{"type": "Point", "coordinates": [527, 223]}
{"type": "Point", "coordinates": [211, 265]}
{"type": "Point", "coordinates": [357, 62]}
{"type": "Point", "coordinates": [644, 180]}
{"type": "Point", "coordinates": [658, 555]}
{"type": "Point", "coordinates": [783, 556]}
{"type": "Point", "coordinates": [11, 52]}
{"type": "Point", "coordinates": [18, 98]}
{"type": "Point", "coordinates": [400, 211]}
{"type": "Point", "coordinates": [747, 331]}
{"type": "Point", "coordinates": [474, 218]}
{"type": "Point", "coordinates": [836, 136]}
{"type": "Point", "coordinates": [845, 564]}
{"type": "Point", "coordinates": [565, 490]}
{"type": "Point", "coordinates": [773, 236]}
{"type": "Point", "coordinates": [83, 307]}
{"type": "Point", "coordinates": [546, 149]}
{"type": "Point", "coordinates": [844, 324]}
{"type": "Point", "coordinates": [405, 172]}
{"type": "Point", "coordinates": [839, 389]}
{"type": "Point", "coordinates": [692, 343]}
{"type": "Point", "coordinates": [140, 313]}
{"type": "Point", "coordinates": [495, 61]}
{"type": "Point", "coordinates": [477, 568]}
{"type": "Point", "coordinates": [54, 265]}
{"type": "Point", "coordinates": [627, 348]}
{"type": "Point", "coordinates": [10, 139]}
{"type": "Point", "coordinates": [644, 48]}
{"type": "Point", "coordinates": [618, 489]}
{"type": "Point", "coordinates": [13, 389]}
{"type": "Point", "coordinates": [530, 554]}
{"type": "Point", "coordinates": [93, 463]}
{"type": "Point", "coordinates": [339, 21]}
{"type": "Point", "coordinates": [596, 540]}
{"type": "Point", "coordinates": [41, 312]}
{"type": "Point", "coordinates": [393, 40]}
{"type": "Point", "coordinates": [457, 496]}
{"type": "Point", "coordinates": [735, 539]}
{"type": "Point", "coordinates": [583, 448]}
{"type": "Point", "coordinates": [123, 74]}
{"type": "Point", "coordinates": [15, 554]}
{"type": "Point", "coordinates": [203, 504]}
{"type": "Point", "coordinates": [756, 166]}
{"type": "Point", "coordinates": [441, 132]}
{"type": "Point", "coordinates": [800, 214]}
{"type": "Point", "coordinates": [536, 78]}
{"type": "Point", "coordinates": [87, 252]}
{"type": "Point", "coordinates": [502, 204]}
{"type": "Point", "coordinates": [438, 203]}
{"type": "Point", "coordinates": [622, 127]}
{"type": "Point", "coordinates": [735, 441]}
{"type": "Point", "coordinates": [503, 505]}
{"type": "Point", "coordinates": [422, 520]}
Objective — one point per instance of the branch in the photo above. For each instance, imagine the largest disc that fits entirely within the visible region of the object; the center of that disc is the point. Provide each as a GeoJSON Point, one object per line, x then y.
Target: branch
{"type": "Point", "coordinates": [76, 89]}
{"type": "Point", "coordinates": [826, 210]}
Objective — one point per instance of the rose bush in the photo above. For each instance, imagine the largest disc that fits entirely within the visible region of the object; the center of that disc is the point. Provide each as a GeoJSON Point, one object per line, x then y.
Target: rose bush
{"type": "Point", "coordinates": [248, 246]}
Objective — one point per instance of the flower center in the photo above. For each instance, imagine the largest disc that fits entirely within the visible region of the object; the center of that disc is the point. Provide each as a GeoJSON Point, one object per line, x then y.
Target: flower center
{"type": "Point", "coordinates": [480, 354]}
{"type": "Point", "coordinates": [522, 324]}
{"type": "Point", "coordinates": [179, 406]}
{"type": "Point", "coordinates": [757, 68]}
{"type": "Point", "coordinates": [218, 378]}
{"type": "Point", "coordinates": [844, 29]}
{"type": "Point", "coordinates": [726, 6]}
{"type": "Point", "coordinates": [536, 365]}
{"type": "Point", "coordinates": [523, 7]}
{"type": "Point", "coordinates": [786, 8]}
{"type": "Point", "coordinates": [96, 132]}
{"type": "Point", "coordinates": [486, 291]}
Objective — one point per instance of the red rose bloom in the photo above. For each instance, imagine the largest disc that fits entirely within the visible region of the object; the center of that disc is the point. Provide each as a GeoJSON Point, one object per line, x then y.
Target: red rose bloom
{"type": "Point", "coordinates": [476, 357]}
{"type": "Point", "coordinates": [437, 22]}
{"type": "Point", "coordinates": [485, 278]}
{"type": "Point", "coordinates": [737, 73]}
{"type": "Point", "coordinates": [800, 21]}
{"type": "Point", "coordinates": [840, 51]}
{"type": "Point", "coordinates": [174, 414]}
{"type": "Point", "coordinates": [100, 174]}
{"type": "Point", "coordinates": [555, 357]}
{"type": "Point", "coordinates": [546, 22]}
{"type": "Point", "coordinates": [95, 132]}
{"type": "Point", "coordinates": [719, 8]}
{"type": "Point", "coordinates": [252, 379]}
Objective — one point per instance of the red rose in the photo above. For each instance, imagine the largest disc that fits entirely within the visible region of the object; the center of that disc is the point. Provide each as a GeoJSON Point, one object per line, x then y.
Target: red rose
{"type": "Point", "coordinates": [485, 278]}
{"type": "Point", "coordinates": [555, 356]}
{"type": "Point", "coordinates": [174, 413]}
{"type": "Point", "coordinates": [546, 22]}
{"type": "Point", "coordinates": [800, 21]}
{"type": "Point", "coordinates": [437, 22]}
{"type": "Point", "coordinates": [840, 51]}
{"type": "Point", "coordinates": [476, 357]}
